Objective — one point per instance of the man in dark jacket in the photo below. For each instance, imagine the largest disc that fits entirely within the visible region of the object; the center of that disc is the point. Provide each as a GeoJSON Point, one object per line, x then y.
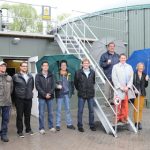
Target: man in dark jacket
{"type": "Point", "coordinates": [84, 82]}
{"type": "Point", "coordinates": [23, 87]}
{"type": "Point", "coordinates": [107, 61]}
{"type": "Point", "coordinates": [6, 88]}
{"type": "Point", "coordinates": [45, 85]}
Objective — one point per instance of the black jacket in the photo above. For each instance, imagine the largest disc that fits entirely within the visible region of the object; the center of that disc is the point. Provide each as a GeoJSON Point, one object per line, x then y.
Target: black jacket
{"type": "Point", "coordinates": [22, 89]}
{"type": "Point", "coordinates": [107, 68]}
{"type": "Point", "coordinates": [84, 85]}
{"type": "Point", "coordinates": [140, 84]}
{"type": "Point", "coordinates": [45, 85]}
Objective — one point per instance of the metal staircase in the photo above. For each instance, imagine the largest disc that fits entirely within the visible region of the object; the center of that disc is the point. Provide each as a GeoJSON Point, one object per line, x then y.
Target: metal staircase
{"type": "Point", "coordinates": [76, 43]}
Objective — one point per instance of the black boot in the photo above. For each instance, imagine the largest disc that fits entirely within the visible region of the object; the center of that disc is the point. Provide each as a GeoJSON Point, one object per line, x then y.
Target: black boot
{"type": "Point", "coordinates": [140, 126]}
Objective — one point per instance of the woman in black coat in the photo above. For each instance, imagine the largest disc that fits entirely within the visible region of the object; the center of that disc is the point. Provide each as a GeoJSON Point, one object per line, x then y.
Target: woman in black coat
{"type": "Point", "coordinates": [140, 81]}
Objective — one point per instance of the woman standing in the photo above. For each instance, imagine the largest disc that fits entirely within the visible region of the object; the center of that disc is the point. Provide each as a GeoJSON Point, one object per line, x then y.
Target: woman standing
{"type": "Point", "coordinates": [141, 82]}
{"type": "Point", "coordinates": [64, 91]}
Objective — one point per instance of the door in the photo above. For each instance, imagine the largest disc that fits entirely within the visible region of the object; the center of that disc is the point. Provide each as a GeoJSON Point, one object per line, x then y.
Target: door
{"type": "Point", "coordinates": [32, 69]}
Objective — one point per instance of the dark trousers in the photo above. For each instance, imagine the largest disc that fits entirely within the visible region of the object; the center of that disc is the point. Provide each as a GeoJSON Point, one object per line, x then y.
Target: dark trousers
{"type": "Point", "coordinates": [23, 108]}
{"type": "Point", "coordinates": [81, 103]}
{"type": "Point", "coordinates": [5, 111]}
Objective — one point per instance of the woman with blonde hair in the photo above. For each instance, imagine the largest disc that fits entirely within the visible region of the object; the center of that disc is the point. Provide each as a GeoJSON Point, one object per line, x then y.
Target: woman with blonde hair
{"type": "Point", "coordinates": [140, 81]}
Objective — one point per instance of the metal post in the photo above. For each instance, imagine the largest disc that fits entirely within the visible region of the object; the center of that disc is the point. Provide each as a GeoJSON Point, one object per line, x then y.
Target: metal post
{"type": "Point", "coordinates": [0, 20]}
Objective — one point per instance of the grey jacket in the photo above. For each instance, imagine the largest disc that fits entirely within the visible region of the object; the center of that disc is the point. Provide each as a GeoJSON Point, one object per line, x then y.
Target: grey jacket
{"type": "Point", "coordinates": [121, 77]}
{"type": "Point", "coordinates": [6, 88]}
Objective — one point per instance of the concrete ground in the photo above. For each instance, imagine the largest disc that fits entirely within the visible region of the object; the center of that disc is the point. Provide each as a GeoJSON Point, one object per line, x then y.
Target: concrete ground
{"type": "Point", "coordinates": [67, 139]}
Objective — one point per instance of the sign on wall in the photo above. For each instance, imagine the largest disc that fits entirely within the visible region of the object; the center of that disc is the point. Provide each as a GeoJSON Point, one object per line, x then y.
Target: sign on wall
{"type": "Point", "coordinates": [46, 12]}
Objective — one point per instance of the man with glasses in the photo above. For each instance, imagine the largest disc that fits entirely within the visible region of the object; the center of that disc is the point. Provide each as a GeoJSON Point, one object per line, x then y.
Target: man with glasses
{"type": "Point", "coordinates": [6, 87]}
{"type": "Point", "coordinates": [23, 94]}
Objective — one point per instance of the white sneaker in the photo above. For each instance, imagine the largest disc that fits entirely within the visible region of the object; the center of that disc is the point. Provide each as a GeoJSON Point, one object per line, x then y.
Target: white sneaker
{"type": "Point", "coordinates": [42, 131]}
{"type": "Point", "coordinates": [52, 129]}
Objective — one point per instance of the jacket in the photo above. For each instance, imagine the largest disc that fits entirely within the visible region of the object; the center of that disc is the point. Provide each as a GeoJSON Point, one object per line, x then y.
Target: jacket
{"type": "Point", "coordinates": [140, 84]}
{"type": "Point", "coordinates": [107, 68]}
{"type": "Point", "coordinates": [121, 77]}
{"type": "Point", "coordinates": [23, 90]}
{"type": "Point", "coordinates": [59, 92]}
{"type": "Point", "coordinates": [84, 85]}
{"type": "Point", "coordinates": [45, 85]}
{"type": "Point", "coordinates": [6, 88]}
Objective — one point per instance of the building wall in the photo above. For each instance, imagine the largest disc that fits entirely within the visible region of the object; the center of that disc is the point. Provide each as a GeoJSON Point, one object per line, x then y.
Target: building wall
{"type": "Point", "coordinates": [114, 24]}
{"type": "Point", "coordinates": [28, 47]}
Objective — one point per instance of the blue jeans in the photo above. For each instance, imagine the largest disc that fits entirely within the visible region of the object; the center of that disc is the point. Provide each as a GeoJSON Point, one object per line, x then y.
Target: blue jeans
{"type": "Point", "coordinates": [81, 103]}
{"type": "Point", "coordinates": [42, 104]}
{"type": "Point", "coordinates": [65, 99]}
{"type": "Point", "coordinates": [5, 110]}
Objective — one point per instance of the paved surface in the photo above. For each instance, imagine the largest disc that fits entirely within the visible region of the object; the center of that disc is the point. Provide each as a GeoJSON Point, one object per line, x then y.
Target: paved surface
{"type": "Point", "coordinates": [68, 139]}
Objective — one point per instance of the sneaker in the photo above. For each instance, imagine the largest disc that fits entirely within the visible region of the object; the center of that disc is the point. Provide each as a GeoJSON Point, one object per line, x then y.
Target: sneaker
{"type": "Point", "coordinates": [57, 128]}
{"type": "Point", "coordinates": [93, 128]}
{"type": "Point", "coordinates": [71, 127]}
{"type": "Point", "coordinates": [21, 135]}
{"type": "Point", "coordinates": [42, 131]}
{"type": "Point", "coordinates": [30, 132]}
{"type": "Point", "coordinates": [52, 129]}
{"type": "Point", "coordinates": [4, 138]}
{"type": "Point", "coordinates": [80, 129]}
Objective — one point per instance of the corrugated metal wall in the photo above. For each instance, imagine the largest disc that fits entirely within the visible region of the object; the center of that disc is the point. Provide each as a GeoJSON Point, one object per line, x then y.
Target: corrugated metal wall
{"type": "Point", "coordinates": [109, 25]}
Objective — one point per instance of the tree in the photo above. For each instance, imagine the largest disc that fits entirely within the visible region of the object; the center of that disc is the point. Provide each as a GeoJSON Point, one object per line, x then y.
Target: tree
{"type": "Point", "coordinates": [63, 16]}
{"type": "Point", "coordinates": [23, 18]}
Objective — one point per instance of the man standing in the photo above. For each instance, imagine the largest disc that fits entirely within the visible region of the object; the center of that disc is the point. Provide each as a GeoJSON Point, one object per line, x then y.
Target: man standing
{"type": "Point", "coordinates": [107, 61]}
{"type": "Point", "coordinates": [84, 82]}
{"type": "Point", "coordinates": [23, 94]}
{"type": "Point", "coordinates": [6, 88]}
{"type": "Point", "coordinates": [122, 77]}
{"type": "Point", "coordinates": [44, 82]}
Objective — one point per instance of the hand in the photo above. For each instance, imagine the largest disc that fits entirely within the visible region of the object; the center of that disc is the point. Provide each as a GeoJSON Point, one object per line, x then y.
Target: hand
{"type": "Point", "coordinates": [126, 89]}
{"type": "Point", "coordinates": [59, 86]}
{"type": "Point", "coordinates": [48, 96]}
{"type": "Point", "coordinates": [147, 78]}
{"type": "Point", "coordinates": [109, 61]}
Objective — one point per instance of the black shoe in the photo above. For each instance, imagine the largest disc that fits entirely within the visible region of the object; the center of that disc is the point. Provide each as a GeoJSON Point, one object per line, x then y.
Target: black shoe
{"type": "Point", "coordinates": [4, 138]}
{"type": "Point", "coordinates": [93, 128]}
{"type": "Point", "coordinates": [21, 135]}
{"type": "Point", "coordinates": [57, 128]}
{"type": "Point", "coordinates": [30, 132]}
{"type": "Point", "coordinates": [71, 127]}
{"type": "Point", "coordinates": [140, 126]}
{"type": "Point", "coordinates": [81, 129]}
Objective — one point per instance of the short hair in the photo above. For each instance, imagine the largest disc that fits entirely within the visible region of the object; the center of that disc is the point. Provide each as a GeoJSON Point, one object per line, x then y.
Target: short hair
{"type": "Point", "coordinates": [110, 44]}
{"type": "Point", "coordinates": [44, 62]}
{"type": "Point", "coordinates": [24, 62]}
{"type": "Point", "coordinates": [85, 59]}
{"type": "Point", "coordinates": [63, 61]}
{"type": "Point", "coordinates": [122, 54]}
{"type": "Point", "coordinates": [140, 63]}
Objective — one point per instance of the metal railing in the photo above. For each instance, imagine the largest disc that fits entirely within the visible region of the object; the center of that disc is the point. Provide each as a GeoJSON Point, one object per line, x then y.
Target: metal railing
{"type": "Point", "coordinates": [81, 41]}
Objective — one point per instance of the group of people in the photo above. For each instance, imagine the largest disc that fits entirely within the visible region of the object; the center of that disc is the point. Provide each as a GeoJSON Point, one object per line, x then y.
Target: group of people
{"type": "Point", "coordinates": [49, 86]}
{"type": "Point", "coordinates": [127, 84]}
{"type": "Point", "coordinates": [61, 86]}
